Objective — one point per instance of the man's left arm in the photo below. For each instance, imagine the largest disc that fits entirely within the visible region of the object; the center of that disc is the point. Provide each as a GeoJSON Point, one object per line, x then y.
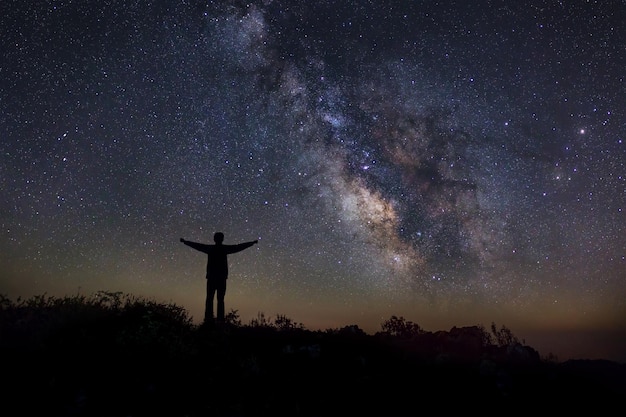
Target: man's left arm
{"type": "Point", "coordinates": [197, 246]}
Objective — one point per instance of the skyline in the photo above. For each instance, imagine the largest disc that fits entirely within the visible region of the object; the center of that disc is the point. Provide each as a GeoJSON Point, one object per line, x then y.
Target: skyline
{"type": "Point", "coordinates": [453, 164]}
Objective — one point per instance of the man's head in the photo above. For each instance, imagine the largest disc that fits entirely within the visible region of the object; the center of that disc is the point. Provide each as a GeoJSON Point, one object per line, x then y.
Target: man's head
{"type": "Point", "coordinates": [218, 237]}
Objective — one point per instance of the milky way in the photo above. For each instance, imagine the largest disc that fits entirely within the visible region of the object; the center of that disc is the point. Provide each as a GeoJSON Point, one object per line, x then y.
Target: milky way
{"type": "Point", "coordinates": [449, 163]}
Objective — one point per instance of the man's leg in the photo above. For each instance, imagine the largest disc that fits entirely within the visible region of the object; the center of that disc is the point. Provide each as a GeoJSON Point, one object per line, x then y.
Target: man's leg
{"type": "Point", "coordinates": [208, 306]}
{"type": "Point", "coordinates": [221, 294]}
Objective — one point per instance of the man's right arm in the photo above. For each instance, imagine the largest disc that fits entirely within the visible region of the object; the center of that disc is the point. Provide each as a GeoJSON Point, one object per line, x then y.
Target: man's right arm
{"type": "Point", "coordinates": [241, 246]}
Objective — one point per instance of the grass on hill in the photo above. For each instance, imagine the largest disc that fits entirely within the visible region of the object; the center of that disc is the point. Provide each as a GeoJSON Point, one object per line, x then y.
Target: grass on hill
{"type": "Point", "coordinates": [114, 354]}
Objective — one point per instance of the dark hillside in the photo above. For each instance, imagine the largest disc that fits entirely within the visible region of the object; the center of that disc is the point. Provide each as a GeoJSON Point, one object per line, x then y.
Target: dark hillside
{"type": "Point", "coordinates": [115, 355]}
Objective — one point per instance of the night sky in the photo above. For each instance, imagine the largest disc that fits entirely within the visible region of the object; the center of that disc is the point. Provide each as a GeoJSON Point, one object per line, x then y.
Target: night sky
{"type": "Point", "coordinates": [454, 163]}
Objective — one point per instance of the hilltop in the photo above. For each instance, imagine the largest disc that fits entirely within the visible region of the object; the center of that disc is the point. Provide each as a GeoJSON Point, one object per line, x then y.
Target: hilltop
{"type": "Point", "coordinates": [118, 355]}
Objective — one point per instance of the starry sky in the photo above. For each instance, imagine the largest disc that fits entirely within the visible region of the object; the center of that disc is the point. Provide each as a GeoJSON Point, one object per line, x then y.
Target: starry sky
{"type": "Point", "coordinates": [454, 163]}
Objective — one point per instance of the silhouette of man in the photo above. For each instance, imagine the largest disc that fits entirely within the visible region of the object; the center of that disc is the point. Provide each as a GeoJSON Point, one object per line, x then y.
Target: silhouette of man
{"type": "Point", "coordinates": [216, 271]}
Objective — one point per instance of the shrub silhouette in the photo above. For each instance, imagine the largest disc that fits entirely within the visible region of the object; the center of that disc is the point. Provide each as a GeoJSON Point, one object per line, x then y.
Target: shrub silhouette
{"type": "Point", "coordinates": [281, 322]}
{"type": "Point", "coordinates": [106, 318]}
{"type": "Point", "coordinates": [400, 327]}
{"type": "Point", "coordinates": [116, 354]}
{"type": "Point", "coordinates": [503, 336]}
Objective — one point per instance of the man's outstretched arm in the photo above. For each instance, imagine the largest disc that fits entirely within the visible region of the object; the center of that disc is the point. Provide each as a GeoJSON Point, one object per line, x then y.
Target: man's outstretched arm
{"type": "Point", "coordinates": [197, 246]}
{"type": "Point", "coordinates": [241, 246]}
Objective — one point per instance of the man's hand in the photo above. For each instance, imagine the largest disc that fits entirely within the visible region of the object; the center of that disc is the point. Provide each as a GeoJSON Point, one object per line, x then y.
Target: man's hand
{"type": "Point", "coordinates": [182, 240]}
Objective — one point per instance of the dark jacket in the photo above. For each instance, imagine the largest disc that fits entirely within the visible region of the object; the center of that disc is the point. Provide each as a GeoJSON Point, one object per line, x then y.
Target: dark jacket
{"type": "Point", "coordinates": [217, 262]}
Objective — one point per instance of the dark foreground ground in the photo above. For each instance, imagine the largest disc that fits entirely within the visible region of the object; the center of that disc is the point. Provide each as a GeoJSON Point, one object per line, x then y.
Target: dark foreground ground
{"type": "Point", "coordinates": [148, 360]}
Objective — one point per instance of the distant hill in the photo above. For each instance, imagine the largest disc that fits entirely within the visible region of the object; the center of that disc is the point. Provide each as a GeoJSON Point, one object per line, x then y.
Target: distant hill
{"type": "Point", "coordinates": [117, 355]}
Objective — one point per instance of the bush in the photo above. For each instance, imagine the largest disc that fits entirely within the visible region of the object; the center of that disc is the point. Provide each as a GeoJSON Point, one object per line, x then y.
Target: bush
{"type": "Point", "coordinates": [281, 322]}
{"type": "Point", "coordinates": [504, 336]}
{"type": "Point", "coordinates": [399, 327]}
{"type": "Point", "coordinates": [103, 319]}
